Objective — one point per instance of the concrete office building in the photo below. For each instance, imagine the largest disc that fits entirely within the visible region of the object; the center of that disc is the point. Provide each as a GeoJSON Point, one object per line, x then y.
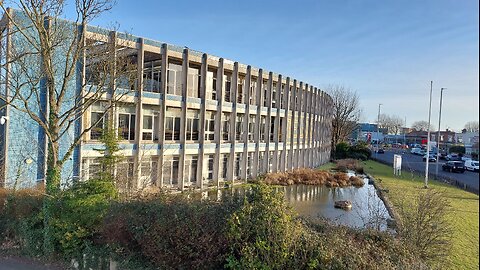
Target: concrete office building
{"type": "Point", "coordinates": [189, 120]}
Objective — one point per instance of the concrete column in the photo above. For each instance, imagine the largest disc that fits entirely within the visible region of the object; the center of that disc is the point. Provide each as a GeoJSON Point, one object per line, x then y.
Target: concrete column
{"type": "Point", "coordinates": [266, 163]}
{"type": "Point", "coordinates": [233, 126]}
{"type": "Point", "coordinates": [285, 139]}
{"type": "Point", "coordinates": [299, 125]}
{"type": "Point", "coordinates": [137, 159]}
{"type": "Point", "coordinates": [183, 120]}
{"type": "Point", "coordinates": [292, 156]}
{"type": "Point", "coordinates": [163, 108]}
{"type": "Point", "coordinates": [305, 112]}
{"type": "Point", "coordinates": [276, 124]}
{"type": "Point", "coordinates": [218, 122]}
{"type": "Point", "coordinates": [248, 79]}
{"type": "Point", "coordinates": [310, 127]}
{"type": "Point", "coordinates": [201, 155]}
{"type": "Point", "coordinates": [313, 145]}
{"type": "Point", "coordinates": [256, 167]}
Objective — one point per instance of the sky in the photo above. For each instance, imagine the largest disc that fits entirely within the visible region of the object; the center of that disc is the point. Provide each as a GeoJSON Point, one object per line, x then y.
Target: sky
{"type": "Point", "coordinates": [387, 51]}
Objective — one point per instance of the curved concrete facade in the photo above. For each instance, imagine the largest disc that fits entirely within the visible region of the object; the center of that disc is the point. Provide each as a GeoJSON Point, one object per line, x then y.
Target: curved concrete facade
{"type": "Point", "coordinates": [234, 121]}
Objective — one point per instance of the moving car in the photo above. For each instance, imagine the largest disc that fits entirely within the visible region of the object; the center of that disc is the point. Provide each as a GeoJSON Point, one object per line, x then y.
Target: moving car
{"type": "Point", "coordinates": [431, 157]}
{"type": "Point", "coordinates": [472, 165]}
{"type": "Point", "coordinates": [454, 166]}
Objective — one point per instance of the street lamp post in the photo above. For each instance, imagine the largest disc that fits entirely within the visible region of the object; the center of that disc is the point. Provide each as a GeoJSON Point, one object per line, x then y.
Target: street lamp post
{"type": "Point", "coordinates": [438, 134]}
{"type": "Point", "coordinates": [428, 136]}
{"type": "Point", "coordinates": [378, 132]}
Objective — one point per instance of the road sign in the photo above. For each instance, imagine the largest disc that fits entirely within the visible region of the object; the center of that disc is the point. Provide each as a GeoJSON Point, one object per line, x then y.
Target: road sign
{"type": "Point", "coordinates": [397, 164]}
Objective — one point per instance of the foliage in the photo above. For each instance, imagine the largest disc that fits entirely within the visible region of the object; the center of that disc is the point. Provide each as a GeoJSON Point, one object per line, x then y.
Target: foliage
{"type": "Point", "coordinates": [262, 232]}
{"type": "Point", "coordinates": [170, 232]}
{"type": "Point", "coordinates": [79, 213]}
{"type": "Point", "coordinates": [21, 219]}
{"type": "Point", "coordinates": [459, 149]}
{"type": "Point", "coordinates": [341, 150]}
{"type": "Point", "coordinates": [422, 126]}
{"type": "Point", "coordinates": [425, 226]}
{"type": "Point", "coordinates": [358, 151]}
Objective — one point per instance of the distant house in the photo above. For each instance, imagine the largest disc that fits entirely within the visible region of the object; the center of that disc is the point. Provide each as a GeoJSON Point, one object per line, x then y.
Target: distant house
{"type": "Point", "coordinates": [447, 137]}
{"type": "Point", "coordinates": [368, 132]}
{"type": "Point", "coordinates": [469, 140]}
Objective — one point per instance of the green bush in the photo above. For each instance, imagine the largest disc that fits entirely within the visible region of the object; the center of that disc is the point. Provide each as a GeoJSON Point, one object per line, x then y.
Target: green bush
{"type": "Point", "coordinates": [78, 213]}
{"type": "Point", "coordinates": [341, 150]}
{"type": "Point", "coordinates": [262, 232]}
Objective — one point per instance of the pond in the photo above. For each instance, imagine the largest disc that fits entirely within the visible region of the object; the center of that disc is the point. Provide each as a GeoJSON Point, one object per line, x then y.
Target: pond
{"type": "Point", "coordinates": [368, 210]}
{"type": "Point", "coordinates": [317, 202]}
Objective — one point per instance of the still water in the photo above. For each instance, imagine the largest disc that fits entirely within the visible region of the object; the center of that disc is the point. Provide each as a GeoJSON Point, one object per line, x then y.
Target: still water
{"type": "Point", "coordinates": [368, 210]}
{"type": "Point", "coordinates": [317, 202]}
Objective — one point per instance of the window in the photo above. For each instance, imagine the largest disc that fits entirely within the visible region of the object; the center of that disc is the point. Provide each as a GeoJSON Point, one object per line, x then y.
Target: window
{"type": "Point", "coordinates": [147, 127]}
{"type": "Point", "coordinates": [97, 119]}
{"type": "Point", "coordinates": [192, 128]}
{"type": "Point", "coordinates": [228, 84]}
{"type": "Point", "coordinates": [226, 126]}
{"type": "Point", "coordinates": [263, 127]}
{"type": "Point", "coordinates": [211, 91]}
{"type": "Point", "coordinates": [170, 170]}
{"type": "Point", "coordinates": [124, 174]}
{"type": "Point", "coordinates": [265, 93]}
{"type": "Point", "coordinates": [174, 79]}
{"type": "Point", "coordinates": [193, 87]}
{"type": "Point", "coordinates": [149, 171]}
{"type": "Point", "coordinates": [211, 160]}
{"type": "Point", "coordinates": [224, 166]}
{"type": "Point", "coordinates": [172, 124]}
{"type": "Point", "coordinates": [241, 82]}
{"type": "Point", "coordinates": [239, 127]}
{"type": "Point", "coordinates": [272, 128]}
{"type": "Point", "coordinates": [253, 86]}
{"type": "Point", "coordinates": [238, 165]}
{"type": "Point", "coordinates": [126, 126]}
{"type": "Point", "coordinates": [152, 76]}
{"type": "Point", "coordinates": [190, 169]}
{"type": "Point", "coordinates": [251, 128]}
{"type": "Point", "coordinates": [249, 165]}
{"type": "Point", "coordinates": [274, 95]}
{"type": "Point", "coordinates": [209, 125]}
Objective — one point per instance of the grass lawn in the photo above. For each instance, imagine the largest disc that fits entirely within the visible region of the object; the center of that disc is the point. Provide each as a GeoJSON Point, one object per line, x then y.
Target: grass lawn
{"type": "Point", "coordinates": [463, 216]}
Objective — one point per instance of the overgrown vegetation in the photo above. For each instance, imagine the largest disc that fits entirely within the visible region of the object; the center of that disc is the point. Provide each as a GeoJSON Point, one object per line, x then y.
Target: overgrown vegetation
{"type": "Point", "coordinates": [254, 231]}
{"type": "Point", "coordinates": [307, 176]}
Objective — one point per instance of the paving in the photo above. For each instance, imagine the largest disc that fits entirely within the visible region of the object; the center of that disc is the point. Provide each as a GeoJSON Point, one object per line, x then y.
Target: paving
{"type": "Point", "coordinates": [414, 163]}
{"type": "Point", "coordinates": [16, 263]}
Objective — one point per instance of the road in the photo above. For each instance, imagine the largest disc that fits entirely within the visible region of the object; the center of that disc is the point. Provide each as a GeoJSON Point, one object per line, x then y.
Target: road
{"type": "Point", "coordinates": [415, 163]}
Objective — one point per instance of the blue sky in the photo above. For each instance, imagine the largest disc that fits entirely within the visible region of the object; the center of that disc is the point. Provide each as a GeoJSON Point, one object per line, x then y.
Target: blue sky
{"type": "Point", "coordinates": [388, 51]}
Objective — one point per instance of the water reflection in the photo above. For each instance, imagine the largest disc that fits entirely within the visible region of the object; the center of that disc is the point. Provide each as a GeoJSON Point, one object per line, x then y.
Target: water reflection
{"type": "Point", "coordinates": [368, 210]}
{"type": "Point", "coordinates": [318, 202]}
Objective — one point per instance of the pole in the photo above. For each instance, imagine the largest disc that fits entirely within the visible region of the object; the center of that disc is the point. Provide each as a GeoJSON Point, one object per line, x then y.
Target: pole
{"type": "Point", "coordinates": [378, 132]}
{"type": "Point", "coordinates": [438, 134]}
{"type": "Point", "coordinates": [428, 136]}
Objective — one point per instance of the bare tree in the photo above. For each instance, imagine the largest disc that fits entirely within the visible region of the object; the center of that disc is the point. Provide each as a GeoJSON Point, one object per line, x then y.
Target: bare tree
{"type": "Point", "coordinates": [392, 123]}
{"type": "Point", "coordinates": [44, 57]}
{"type": "Point", "coordinates": [422, 126]}
{"type": "Point", "coordinates": [471, 126]}
{"type": "Point", "coordinates": [346, 113]}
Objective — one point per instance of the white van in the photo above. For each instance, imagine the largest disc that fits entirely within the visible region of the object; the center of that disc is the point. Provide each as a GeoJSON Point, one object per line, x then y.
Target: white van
{"type": "Point", "coordinates": [472, 165]}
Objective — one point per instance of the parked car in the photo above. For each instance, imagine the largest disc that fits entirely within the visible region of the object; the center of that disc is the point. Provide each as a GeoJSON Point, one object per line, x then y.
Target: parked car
{"type": "Point", "coordinates": [431, 157]}
{"type": "Point", "coordinates": [381, 151]}
{"type": "Point", "coordinates": [442, 156]}
{"type": "Point", "coordinates": [453, 157]}
{"type": "Point", "coordinates": [415, 151]}
{"type": "Point", "coordinates": [465, 158]}
{"type": "Point", "coordinates": [454, 166]}
{"type": "Point", "coordinates": [472, 165]}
